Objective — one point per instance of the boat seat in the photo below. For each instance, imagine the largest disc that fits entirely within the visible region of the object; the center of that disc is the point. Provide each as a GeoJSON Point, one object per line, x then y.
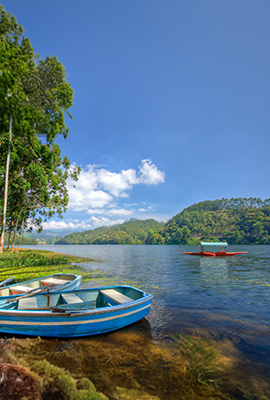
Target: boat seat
{"type": "Point", "coordinates": [27, 303]}
{"type": "Point", "coordinates": [71, 298]}
{"type": "Point", "coordinates": [115, 296]}
{"type": "Point", "coordinates": [53, 281]}
{"type": "Point", "coordinates": [20, 289]}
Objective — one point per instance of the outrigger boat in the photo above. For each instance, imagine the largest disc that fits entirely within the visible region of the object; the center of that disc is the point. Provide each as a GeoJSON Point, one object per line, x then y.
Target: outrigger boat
{"type": "Point", "coordinates": [56, 281]}
{"type": "Point", "coordinates": [73, 313]}
{"type": "Point", "coordinates": [221, 253]}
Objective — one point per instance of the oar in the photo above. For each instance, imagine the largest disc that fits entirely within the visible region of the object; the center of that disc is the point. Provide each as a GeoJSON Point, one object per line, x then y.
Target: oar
{"type": "Point", "coordinates": [6, 281]}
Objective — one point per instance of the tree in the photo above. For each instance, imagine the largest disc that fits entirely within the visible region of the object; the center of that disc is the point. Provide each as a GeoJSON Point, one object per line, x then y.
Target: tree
{"type": "Point", "coordinates": [35, 95]}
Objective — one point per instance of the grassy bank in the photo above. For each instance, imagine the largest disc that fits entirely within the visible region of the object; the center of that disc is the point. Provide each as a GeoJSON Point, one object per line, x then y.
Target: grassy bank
{"type": "Point", "coordinates": [30, 264]}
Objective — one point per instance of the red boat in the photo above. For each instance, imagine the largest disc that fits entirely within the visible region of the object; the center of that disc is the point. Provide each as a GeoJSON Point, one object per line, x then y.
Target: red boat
{"type": "Point", "coordinates": [221, 253]}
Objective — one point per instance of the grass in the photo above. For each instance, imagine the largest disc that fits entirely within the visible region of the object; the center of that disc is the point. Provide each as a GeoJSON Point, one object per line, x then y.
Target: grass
{"type": "Point", "coordinates": [31, 264]}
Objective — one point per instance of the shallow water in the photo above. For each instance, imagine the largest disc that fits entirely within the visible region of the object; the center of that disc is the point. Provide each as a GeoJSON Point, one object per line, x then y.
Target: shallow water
{"type": "Point", "coordinates": [215, 298]}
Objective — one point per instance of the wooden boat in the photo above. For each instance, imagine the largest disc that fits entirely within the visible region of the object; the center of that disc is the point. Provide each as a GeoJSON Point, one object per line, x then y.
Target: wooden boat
{"type": "Point", "coordinates": [221, 253]}
{"type": "Point", "coordinates": [73, 313]}
{"type": "Point", "coordinates": [56, 281]}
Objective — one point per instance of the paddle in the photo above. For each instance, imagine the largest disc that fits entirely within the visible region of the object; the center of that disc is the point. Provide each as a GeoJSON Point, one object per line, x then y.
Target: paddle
{"type": "Point", "coordinates": [8, 280]}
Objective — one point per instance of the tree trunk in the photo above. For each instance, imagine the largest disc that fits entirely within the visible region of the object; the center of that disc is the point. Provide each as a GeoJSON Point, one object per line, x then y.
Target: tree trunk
{"type": "Point", "coordinates": [15, 231]}
{"type": "Point", "coordinates": [21, 234]}
{"type": "Point", "coordinates": [9, 237]}
{"type": "Point", "coordinates": [14, 237]}
{"type": "Point", "coordinates": [3, 227]}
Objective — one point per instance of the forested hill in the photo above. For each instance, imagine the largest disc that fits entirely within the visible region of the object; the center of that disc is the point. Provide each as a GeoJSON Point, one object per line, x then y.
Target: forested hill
{"type": "Point", "coordinates": [130, 232]}
{"type": "Point", "coordinates": [237, 221]}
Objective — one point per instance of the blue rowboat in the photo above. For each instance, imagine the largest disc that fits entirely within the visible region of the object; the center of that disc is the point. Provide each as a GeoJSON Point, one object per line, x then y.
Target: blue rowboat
{"type": "Point", "coordinates": [74, 313]}
{"type": "Point", "coordinates": [56, 281]}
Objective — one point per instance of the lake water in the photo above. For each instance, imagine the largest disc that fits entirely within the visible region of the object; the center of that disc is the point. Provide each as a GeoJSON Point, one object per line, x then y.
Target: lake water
{"type": "Point", "coordinates": [229, 296]}
{"type": "Point", "coordinates": [208, 297]}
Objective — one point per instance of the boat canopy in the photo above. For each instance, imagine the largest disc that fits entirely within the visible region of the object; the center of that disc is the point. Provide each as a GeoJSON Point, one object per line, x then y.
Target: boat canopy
{"type": "Point", "coordinates": [223, 244]}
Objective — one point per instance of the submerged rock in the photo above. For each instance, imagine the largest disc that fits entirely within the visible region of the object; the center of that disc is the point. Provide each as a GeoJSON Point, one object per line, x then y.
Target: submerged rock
{"type": "Point", "coordinates": [16, 383]}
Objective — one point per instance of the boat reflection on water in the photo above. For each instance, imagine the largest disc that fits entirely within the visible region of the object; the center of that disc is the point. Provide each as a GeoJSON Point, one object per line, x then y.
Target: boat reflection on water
{"type": "Point", "coordinates": [214, 270]}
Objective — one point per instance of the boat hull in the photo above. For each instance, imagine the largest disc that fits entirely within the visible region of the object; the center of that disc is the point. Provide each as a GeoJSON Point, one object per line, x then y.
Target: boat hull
{"type": "Point", "coordinates": [217, 254]}
{"type": "Point", "coordinates": [72, 283]}
{"type": "Point", "coordinates": [74, 324]}
{"type": "Point", "coordinates": [201, 253]}
{"type": "Point", "coordinates": [230, 253]}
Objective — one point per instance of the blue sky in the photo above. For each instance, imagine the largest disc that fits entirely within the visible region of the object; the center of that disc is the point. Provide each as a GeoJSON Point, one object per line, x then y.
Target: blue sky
{"type": "Point", "coordinates": [171, 102]}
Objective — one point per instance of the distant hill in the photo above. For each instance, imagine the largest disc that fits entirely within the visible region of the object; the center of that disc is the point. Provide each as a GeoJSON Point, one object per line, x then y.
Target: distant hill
{"type": "Point", "coordinates": [131, 232]}
{"type": "Point", "coordinates": [237, 221]}
{"type": "Point", "coordinates": [45, 237]}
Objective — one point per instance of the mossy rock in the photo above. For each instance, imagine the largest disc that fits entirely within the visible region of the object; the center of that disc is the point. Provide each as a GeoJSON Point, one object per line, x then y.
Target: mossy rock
{"type": "Point", "coordinates": [57, 381]}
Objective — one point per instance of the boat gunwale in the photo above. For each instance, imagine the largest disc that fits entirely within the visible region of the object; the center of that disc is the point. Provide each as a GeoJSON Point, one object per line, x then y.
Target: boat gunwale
{"type": "Point", "coordinates": [76, 277]}
{"type": "Point", "coordinates": [75, 314]}
{"type": "Point", "coordinates": [56, 314]}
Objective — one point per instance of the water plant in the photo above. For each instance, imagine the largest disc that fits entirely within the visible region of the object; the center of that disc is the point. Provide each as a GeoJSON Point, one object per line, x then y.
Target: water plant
{"type": "Point", "coordinates": [124, 365]}
{"type": "Point", "coordinates": [58, 382]}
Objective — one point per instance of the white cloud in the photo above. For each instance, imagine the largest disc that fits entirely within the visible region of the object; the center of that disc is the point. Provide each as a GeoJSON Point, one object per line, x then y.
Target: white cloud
{"type": "Point", "coordinates": [90, 223]}
{"type": "Point", "coordinates": [97, 187]}
{"type": "Point", "coordinates": [110, 211]}
{"type": "Point", "coordinates": [104, 221]}
{"type": "Point", "coordinates": [97, 194]}
{"type": "Point", "coordinates": [119, 211]}
{"type": "Point", "coordinates": [149, 173]}
{"type": "Point", "coordinates": [74, 225]}
{"type": "Point", "coordinates": [116, 183]}
{"type": "Point", "coordinates": [95, 211]}
{"type": "Point", "coordinates": [81, 199]}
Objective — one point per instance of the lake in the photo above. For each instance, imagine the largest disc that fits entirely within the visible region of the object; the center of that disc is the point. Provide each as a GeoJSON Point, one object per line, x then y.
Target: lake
{"type": "Point", "coordinates": [208, 297]}
{"type": "Point", "coordinates": [227, 295]}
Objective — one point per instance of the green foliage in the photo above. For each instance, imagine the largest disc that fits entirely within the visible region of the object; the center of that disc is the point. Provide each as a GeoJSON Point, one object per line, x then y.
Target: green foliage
{"type": "Point", "coordinates": [24, 241]}
{"type": "Point", "coordinates": [36, 94]}
{"type": "Point", "coordinates": [237, 221]}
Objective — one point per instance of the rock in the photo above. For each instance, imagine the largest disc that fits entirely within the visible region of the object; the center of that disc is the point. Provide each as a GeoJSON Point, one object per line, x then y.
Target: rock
{"type": "Point", "coordinates": [16, 383]}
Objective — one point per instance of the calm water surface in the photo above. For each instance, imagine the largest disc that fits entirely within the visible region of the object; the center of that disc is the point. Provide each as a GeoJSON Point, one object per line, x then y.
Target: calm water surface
{"type": "Point", "coordinates": [209, 296]}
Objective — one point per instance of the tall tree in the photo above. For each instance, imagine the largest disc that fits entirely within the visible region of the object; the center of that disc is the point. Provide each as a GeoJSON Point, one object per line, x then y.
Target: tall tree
{"type": "Point", "coordinates": [36, 95]}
